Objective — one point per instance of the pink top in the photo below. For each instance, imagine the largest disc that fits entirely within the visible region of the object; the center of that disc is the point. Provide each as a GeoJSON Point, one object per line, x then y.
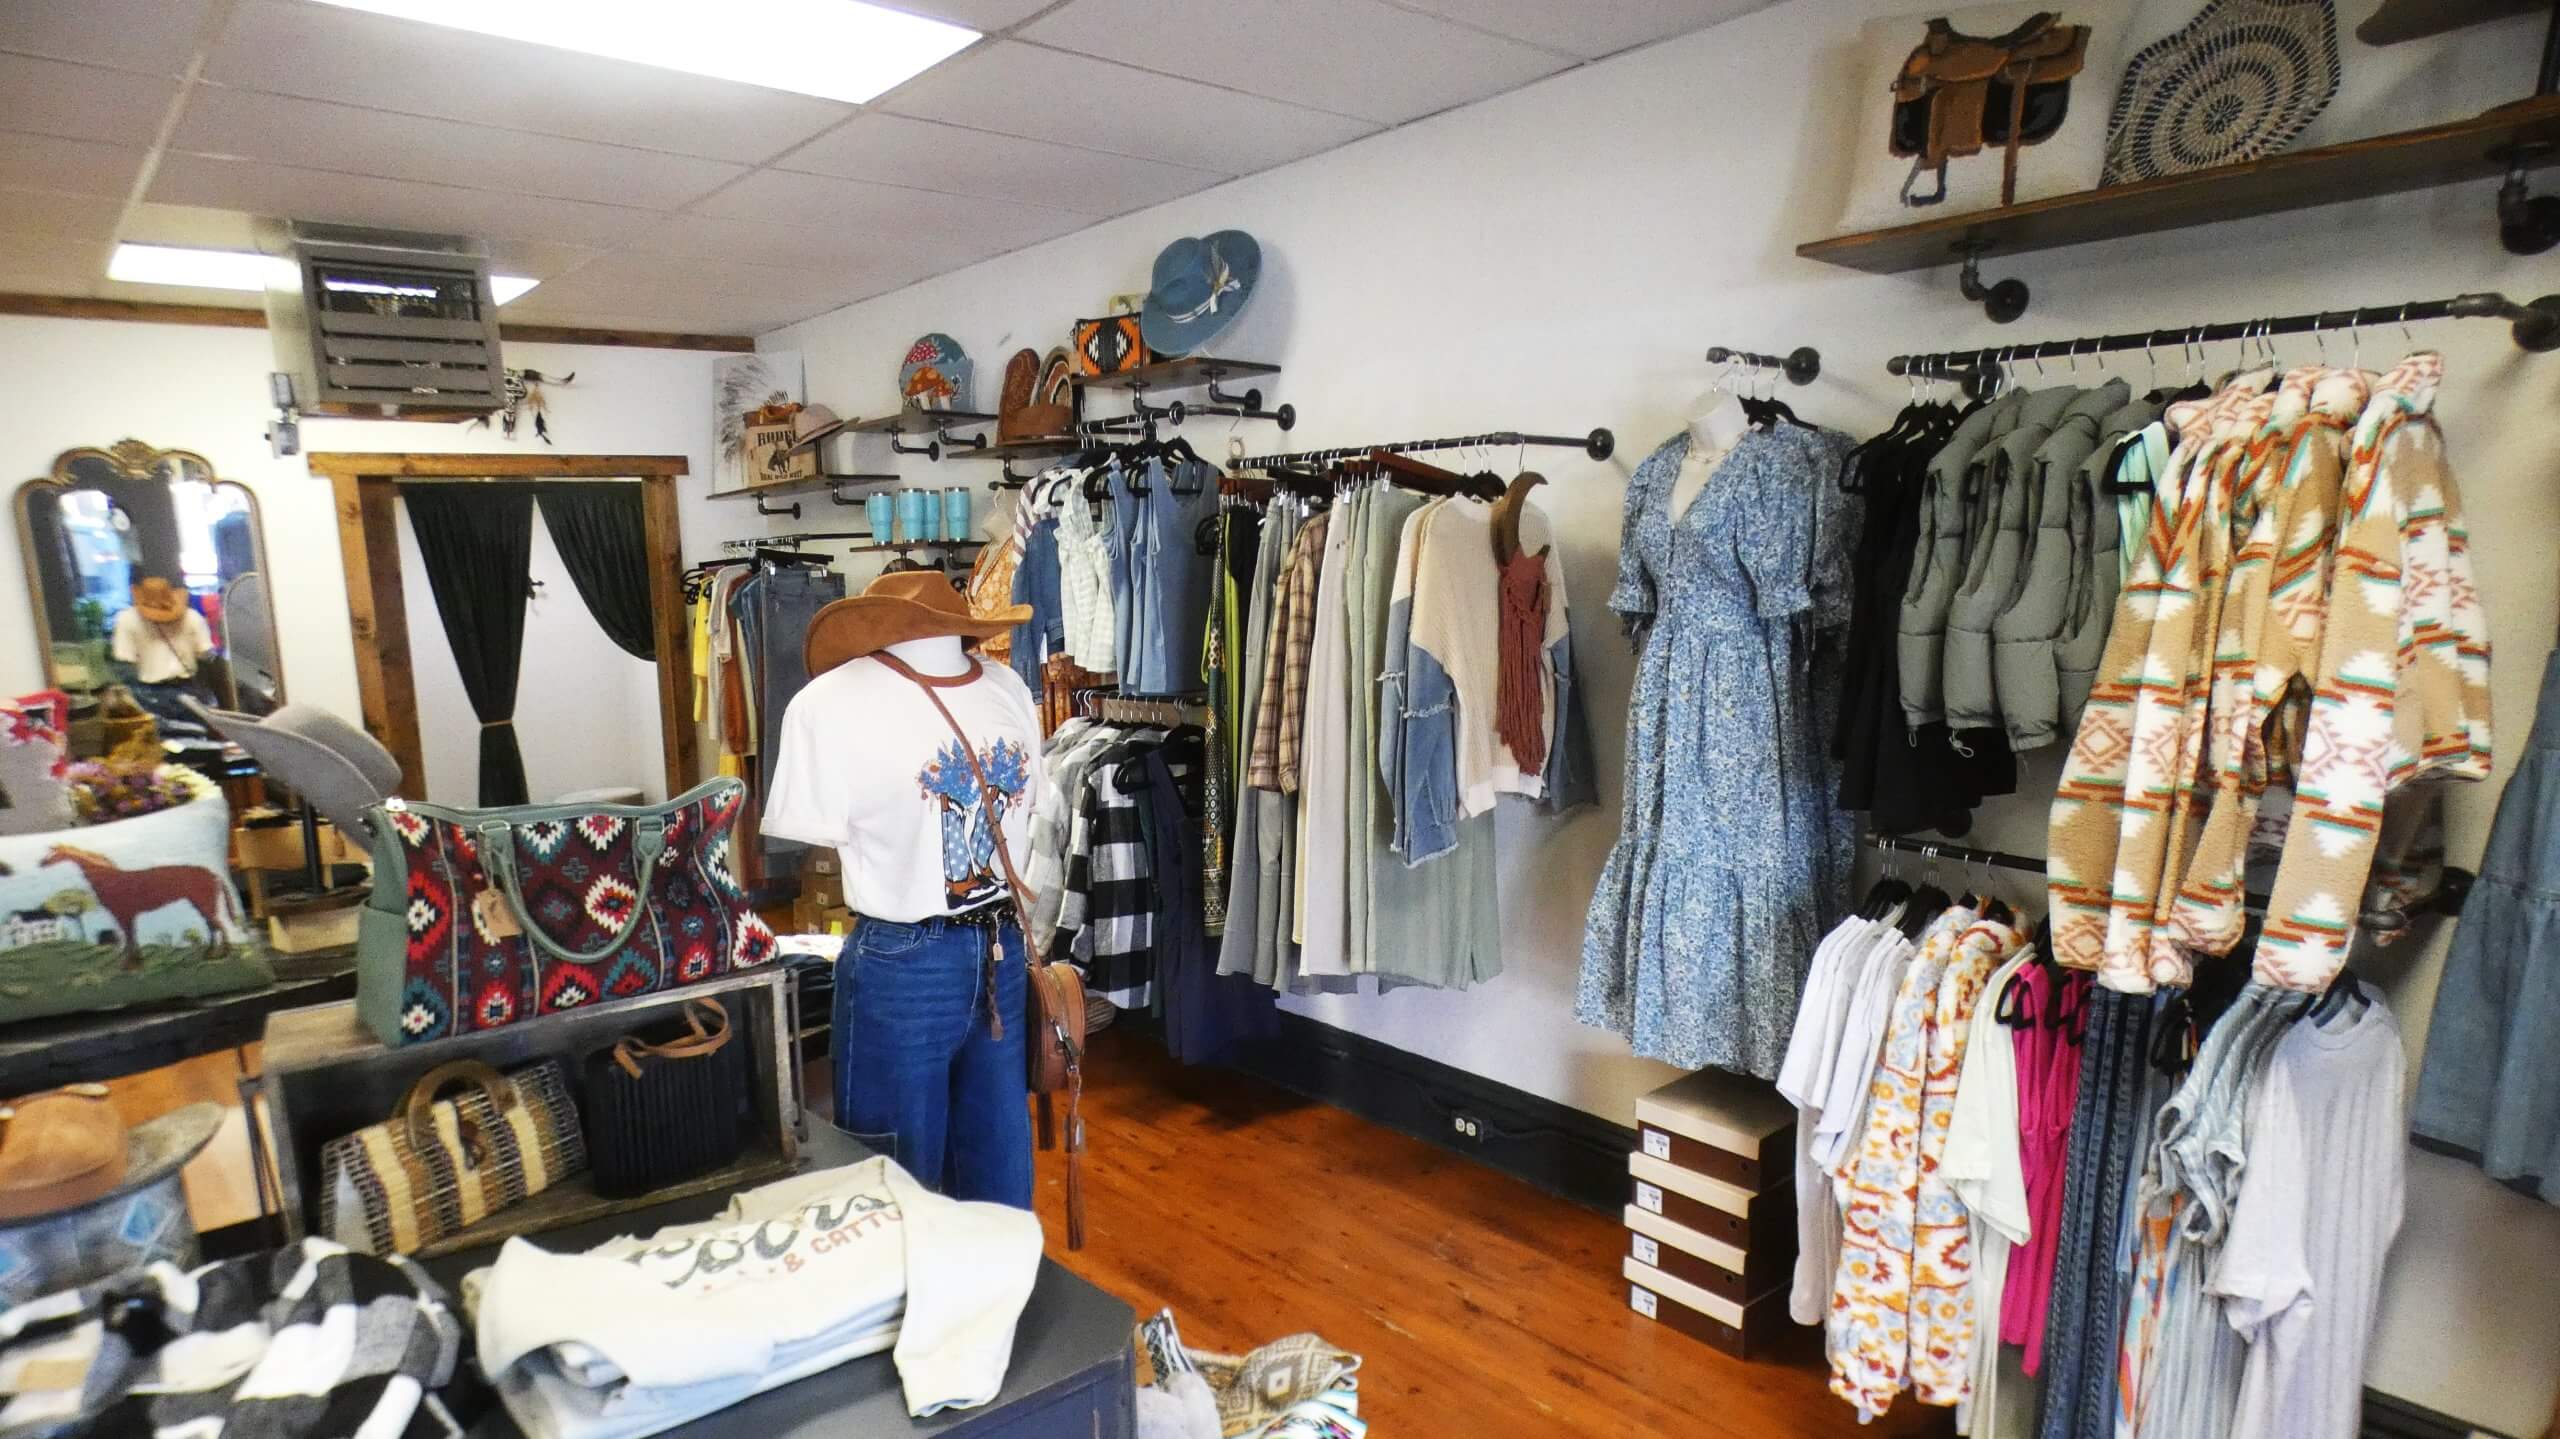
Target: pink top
{"type": "Point", "coordinates": [2048, 1091]}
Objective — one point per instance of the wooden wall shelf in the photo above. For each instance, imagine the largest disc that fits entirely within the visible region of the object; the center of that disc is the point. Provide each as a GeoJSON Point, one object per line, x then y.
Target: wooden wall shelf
{"type": "Point", "coordinates": [2474, 149]}
{"type": "Point", "coordinates": [919, 422]}
{"type": "Point", "coordinates": [807, 485]}
{"type": "Point", "coordinates": [1188, 371]}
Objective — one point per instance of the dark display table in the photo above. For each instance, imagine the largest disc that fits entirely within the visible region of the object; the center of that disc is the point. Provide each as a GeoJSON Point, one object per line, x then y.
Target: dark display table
{"type": "Point", "coordinates": [38, 1054]}
{"type": "Point", "coordinates": [1071, 1377]}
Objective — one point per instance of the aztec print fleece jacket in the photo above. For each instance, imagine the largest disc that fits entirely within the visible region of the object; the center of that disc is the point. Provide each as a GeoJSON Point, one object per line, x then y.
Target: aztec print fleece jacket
{"type": "Point", "coordinates": [639, 1335]}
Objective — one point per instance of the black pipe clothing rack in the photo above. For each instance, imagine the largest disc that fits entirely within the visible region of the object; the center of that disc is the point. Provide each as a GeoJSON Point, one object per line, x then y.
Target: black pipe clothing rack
{"type": "Point", "coordinates": [797, 538]}
{"type": "Point", "coordinates": [1599, 445]}
{"type": "Point", "coordinates": [1956, 853]}
{"type": "Point", "coordinates": [1800, 365]}
{"type": "Point", "coordinates": [2536, 327]}
{"type": "Point", "coordinates": [2446, 900]}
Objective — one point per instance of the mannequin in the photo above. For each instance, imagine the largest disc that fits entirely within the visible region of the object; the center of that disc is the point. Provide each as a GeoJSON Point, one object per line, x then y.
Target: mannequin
{"type": "Point", "coordinates": [937, 655]}
{"type": "Point", "coordinates": [1715, 427]}
{"type": "Point", "coordinates": [928, 1052]}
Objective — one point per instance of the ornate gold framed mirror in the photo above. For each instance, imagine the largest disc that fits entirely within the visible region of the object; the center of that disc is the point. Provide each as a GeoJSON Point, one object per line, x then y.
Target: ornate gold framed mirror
{"type": "Point", "coordinates": [146, 570]}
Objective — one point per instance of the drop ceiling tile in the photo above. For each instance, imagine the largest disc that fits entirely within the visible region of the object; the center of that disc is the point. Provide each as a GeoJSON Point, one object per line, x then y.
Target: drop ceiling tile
{"type": "Point", "coordinates": [195, 225]}
{"type": "Point", "coordinates": [632, 281]}
{"type": "Point", "coordinates": [79, 167]}
{"type": "Point", "coordinates": [80, 102]}
{"type": "Point", "coordinates": [47, 265]}
{"type": "Point", "coordinates": [869, 262]}
{"type": "Point", "coordinates": [285, 191]}
{"type": "Point", "coordinates": [704, 317]}
{"type": "Point", "coordinates": [922, 219]}
{"type": "Point", "coordinates": [1352, 57]}
{"type": "Point", "coordinates": [322, 52]}
{"type": "Point", "coordinates": [979, 15]}
{"type": "Point", "coordinates": [751, 241]}
{"type": "Point", "coordinates": [43, 213]}
{"type": "Point", "coordinates": [1585, 30]}
{"type": "Point", "coordinates": [1077, 100]}
{"type": "Point", "coordinates": [537, 259]}
{"type": "Point", "coordinates": [895, 150]}
{"type": "Point", "coordinates": [152, 37]}
{"type": "Point", "coordinates": [244, 124]}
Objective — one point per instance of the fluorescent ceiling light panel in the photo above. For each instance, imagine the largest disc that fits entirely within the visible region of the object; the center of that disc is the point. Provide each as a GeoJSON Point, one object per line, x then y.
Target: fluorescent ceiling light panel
{"type": "Point", "coordinates": [835, 49]}
{"type": "Point", "coordinates": [202, 269]}
{"type": "Point", "coordinates": [234, 269]}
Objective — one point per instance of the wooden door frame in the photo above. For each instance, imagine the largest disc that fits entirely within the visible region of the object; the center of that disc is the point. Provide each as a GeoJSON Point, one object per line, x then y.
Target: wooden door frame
{"type": "Point", "coordinates": [366, 486]}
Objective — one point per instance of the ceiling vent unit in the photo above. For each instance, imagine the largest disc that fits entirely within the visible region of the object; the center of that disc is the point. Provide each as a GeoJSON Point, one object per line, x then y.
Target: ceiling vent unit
{"type": "Point", "coordinates": [384, 323]}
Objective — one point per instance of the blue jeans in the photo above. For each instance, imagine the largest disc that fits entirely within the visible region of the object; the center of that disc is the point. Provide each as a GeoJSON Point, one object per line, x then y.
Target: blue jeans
{"type": "Point", "coordinates": [918, 1077]}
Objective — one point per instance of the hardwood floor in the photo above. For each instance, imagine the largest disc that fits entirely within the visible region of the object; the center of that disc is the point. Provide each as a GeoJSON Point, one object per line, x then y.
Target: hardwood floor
{"type": "Point", "coordinates": [1482, 1308]}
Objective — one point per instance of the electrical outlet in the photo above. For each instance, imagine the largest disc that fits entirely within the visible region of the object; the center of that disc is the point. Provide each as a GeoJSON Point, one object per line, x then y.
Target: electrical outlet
{"type": "Point", "coordinates": [1467, 1126]}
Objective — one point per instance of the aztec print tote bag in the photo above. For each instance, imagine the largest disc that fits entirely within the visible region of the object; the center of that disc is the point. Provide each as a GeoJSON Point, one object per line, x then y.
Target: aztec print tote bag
{"type": "Point", "coordinates": [482, 918]}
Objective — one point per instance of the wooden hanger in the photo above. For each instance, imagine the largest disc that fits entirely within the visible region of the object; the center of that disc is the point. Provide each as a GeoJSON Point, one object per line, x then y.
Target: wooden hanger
{"type": "Point", "coordinates": [1414, 474]}
{"type": "Point", "coordinates": [1506, 514]}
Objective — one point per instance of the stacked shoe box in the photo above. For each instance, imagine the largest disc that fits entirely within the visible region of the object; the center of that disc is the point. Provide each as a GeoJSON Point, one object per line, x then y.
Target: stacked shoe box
{"type": "Point", "coordinates": [1711, 1234]}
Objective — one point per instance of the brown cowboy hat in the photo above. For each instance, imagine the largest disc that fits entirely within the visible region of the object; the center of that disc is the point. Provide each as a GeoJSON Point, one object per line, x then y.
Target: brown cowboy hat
{"type": "Point", "coordinates": [68, 1149]}
{"type": "Point", "coordinates": [159, 601]}
{"type": "Point", "coordinates": [896, 608]}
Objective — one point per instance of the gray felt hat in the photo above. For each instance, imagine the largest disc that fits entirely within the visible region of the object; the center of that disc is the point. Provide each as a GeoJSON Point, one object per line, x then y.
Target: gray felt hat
{"type": "Point", "coordinates": [339, 768]}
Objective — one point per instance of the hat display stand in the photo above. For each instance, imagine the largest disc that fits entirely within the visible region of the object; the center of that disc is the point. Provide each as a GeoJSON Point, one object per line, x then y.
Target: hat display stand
{"type": "Point", "coordinates": [134, 1216]}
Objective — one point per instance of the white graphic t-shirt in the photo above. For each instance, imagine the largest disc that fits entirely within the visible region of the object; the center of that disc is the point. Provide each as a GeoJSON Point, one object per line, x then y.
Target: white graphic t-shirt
{"type": "Point", "coordinates": [867, 766]}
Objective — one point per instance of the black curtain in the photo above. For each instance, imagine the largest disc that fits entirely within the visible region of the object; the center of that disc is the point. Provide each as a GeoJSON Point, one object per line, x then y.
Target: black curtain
{"type": "Point", "coordinates": [477, 541]}
{"type": "Point", "coordinates": [603, 537]}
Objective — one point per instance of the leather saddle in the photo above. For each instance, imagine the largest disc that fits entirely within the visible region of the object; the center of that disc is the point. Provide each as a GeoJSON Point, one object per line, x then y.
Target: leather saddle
{"type": "Point", "coordinates": [1959, 92]}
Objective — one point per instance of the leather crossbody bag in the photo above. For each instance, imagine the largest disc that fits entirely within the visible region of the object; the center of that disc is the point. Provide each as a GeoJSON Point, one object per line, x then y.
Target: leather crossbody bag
{"type": "Point", "coordinates": [1056, 1041]}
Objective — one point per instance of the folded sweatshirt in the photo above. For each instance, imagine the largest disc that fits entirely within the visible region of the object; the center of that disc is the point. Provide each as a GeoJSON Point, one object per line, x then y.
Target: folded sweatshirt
{"type": "Point", "coordinates": [637, 1336]}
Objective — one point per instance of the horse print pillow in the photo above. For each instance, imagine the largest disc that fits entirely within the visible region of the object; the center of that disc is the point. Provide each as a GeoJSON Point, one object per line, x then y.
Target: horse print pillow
{"type": "Point", "coordinates": [131, 911]}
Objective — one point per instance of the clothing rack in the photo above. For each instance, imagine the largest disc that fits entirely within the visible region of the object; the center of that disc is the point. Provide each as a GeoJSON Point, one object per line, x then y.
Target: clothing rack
{"type": "Point", "coordinates": [797, 538]}
{"type": "Point", "coordinates": [1169, 711]}
{"type": "Point", "coordinates": [2536, 327]}
{"type": "Point", "coordinates": [2446, 900]}
{"type": "Point", "coordinates": [1956, 853]}
{"type": "Point", "coordinates": [1599, 445]}
{"type": "Point", "coordinates": [1800, 365]}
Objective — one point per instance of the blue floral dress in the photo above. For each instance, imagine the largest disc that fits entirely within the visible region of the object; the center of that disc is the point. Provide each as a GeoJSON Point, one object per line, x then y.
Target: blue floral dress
{"type": "Point", "coordinates": [1730, 856]}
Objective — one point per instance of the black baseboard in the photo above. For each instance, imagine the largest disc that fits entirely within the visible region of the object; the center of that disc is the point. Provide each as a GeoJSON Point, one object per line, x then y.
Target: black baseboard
{"type": "Point", "coordinates": [1556, 1147]}
{"type": "Point", "coordinates": [2388, 1418]}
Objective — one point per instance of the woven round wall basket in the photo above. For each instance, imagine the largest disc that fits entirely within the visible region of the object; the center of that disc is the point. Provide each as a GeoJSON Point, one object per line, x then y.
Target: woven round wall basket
{"type": "Point", "coordinates": [2238, 82]}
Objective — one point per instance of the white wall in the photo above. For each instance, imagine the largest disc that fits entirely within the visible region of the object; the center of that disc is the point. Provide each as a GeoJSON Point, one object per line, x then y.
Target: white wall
{"type": "Point", "coordinates": [1560, 257]}
{"type": "Point", "coordinates": [68, 383]}
{"type": "Point", "coordinates": [586, 711]}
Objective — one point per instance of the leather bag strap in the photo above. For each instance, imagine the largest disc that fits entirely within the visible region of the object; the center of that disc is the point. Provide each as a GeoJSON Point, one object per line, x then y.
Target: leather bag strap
{"type": "Point", "coordinates": [416, 1107]}
{"type": "Point", "coordinates": [704, 1042]}
{"type": "Point", "coordinates": [497, 840]}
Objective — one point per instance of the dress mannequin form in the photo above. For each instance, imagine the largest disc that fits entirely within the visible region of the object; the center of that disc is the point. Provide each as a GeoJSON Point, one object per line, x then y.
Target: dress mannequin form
{"type": "Point", "coordinates": [937, 655]}
{"type": "Point", "coordinates": [1715, 427]}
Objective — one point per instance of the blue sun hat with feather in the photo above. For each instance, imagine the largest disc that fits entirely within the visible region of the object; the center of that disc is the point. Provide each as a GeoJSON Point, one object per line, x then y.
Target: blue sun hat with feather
{"type": "Point", "coordinates": [1200, 284]}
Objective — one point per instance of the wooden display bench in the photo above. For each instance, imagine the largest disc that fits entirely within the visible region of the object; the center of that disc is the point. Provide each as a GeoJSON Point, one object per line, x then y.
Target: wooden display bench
{"type": "Point", "coordinates": [325, 1075]}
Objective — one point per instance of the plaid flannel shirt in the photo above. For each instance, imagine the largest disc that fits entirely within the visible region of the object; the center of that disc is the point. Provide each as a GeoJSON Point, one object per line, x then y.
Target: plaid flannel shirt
{"type": "Point", "coordinates": [1281, 716]}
